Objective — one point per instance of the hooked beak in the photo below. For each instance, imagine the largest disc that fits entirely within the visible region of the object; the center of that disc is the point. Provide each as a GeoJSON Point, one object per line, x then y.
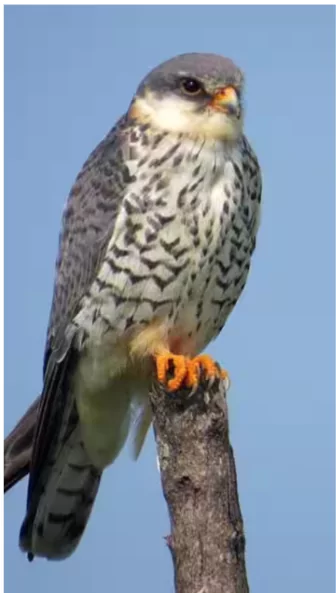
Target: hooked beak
{"type": "Point", "coordinates": [226, 100]}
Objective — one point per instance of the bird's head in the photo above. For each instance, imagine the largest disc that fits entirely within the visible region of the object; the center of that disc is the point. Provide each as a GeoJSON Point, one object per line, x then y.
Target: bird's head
{"type": "Point", "coordinates": [193, 94]}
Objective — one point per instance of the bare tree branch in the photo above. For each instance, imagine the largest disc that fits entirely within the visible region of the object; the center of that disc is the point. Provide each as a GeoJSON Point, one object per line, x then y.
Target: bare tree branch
{"type": "Point", "coordinates": [199, 484]}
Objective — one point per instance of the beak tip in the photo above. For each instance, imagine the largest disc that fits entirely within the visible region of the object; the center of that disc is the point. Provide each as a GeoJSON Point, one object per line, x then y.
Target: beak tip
{"type": "Point", "coordinates": [226, 100]}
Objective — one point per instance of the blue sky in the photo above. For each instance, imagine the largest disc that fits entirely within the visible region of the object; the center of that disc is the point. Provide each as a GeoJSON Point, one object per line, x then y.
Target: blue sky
{"type": "Point", "coordinates": [70, 72]}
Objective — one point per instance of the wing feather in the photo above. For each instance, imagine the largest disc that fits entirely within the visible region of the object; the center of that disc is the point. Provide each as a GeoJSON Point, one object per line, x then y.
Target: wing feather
{"type": "Point", "coordinates": [87, 225]}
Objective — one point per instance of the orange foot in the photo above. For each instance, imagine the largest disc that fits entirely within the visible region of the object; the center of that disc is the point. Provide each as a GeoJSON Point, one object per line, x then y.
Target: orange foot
{"type": "Point", "coordinates": [187, 372]}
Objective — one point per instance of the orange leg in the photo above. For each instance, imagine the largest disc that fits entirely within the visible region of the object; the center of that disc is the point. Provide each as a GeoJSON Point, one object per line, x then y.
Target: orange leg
{"type": "Point", "coordinates": [207, 364]}
{"type": "Point", "coordinates": [179, 364]}
{"type": "Point", "coordinates": [187, 372]}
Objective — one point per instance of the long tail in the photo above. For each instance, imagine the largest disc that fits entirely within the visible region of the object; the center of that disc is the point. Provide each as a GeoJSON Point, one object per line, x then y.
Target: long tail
{"type": "Point", "coordinates": [54, 530]}
{"type": "Point", "coordinates": [63, 482]}
{"type": "Point", "coordinates": [64, 507]}
{"type": "Point", "coordinates": [18, 447]}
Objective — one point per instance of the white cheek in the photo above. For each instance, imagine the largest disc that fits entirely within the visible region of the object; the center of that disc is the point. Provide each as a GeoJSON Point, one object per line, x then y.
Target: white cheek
{"type": "Point", "coordinates": [168, 115]}
{"type": "Point", "coordinates": [176, 115]}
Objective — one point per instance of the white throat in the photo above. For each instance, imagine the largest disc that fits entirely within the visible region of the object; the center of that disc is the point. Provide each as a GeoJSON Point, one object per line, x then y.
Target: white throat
{"type": "Point", "coordinates": [176, 115]}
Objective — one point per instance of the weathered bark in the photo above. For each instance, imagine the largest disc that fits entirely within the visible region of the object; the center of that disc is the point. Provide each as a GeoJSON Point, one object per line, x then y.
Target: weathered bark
{"type": "Point", "coordinates": [199, 484]}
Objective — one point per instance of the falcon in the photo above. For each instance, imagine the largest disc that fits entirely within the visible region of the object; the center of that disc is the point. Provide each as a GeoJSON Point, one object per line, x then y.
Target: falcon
{"type": "Point", "coordinates": [155, 249]}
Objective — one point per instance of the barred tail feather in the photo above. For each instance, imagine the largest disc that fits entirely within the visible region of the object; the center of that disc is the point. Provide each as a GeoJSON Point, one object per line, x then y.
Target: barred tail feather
{"type": "Point", "coordinates": [18, 447]}
{"type": "Point", "coordinates": [64, 507]}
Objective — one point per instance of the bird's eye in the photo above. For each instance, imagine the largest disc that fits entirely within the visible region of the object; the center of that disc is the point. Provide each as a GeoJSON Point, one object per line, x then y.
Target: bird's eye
{"type": "Point", "coordinates": [190, 86]}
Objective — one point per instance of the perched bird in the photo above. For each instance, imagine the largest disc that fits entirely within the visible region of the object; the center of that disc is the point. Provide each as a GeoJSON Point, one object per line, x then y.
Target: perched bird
{"type": "Point", "coordinates": [155, 249]}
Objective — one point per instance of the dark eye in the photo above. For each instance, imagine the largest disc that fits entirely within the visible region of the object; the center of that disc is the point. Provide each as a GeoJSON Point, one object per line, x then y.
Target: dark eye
{"type": "Point", "coordinates": [191, 86]}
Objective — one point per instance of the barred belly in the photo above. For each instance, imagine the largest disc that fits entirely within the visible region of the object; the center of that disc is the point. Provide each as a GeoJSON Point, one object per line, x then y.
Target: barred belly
{"type": "Point", "coordinates": [178, 260]}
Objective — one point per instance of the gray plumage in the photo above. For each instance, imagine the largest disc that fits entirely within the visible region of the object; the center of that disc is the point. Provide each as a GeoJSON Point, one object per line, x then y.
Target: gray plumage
{"type": "Point", "coordinates": [158, 232]}
{"type": "Point", "coordinates": [208, 67]}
